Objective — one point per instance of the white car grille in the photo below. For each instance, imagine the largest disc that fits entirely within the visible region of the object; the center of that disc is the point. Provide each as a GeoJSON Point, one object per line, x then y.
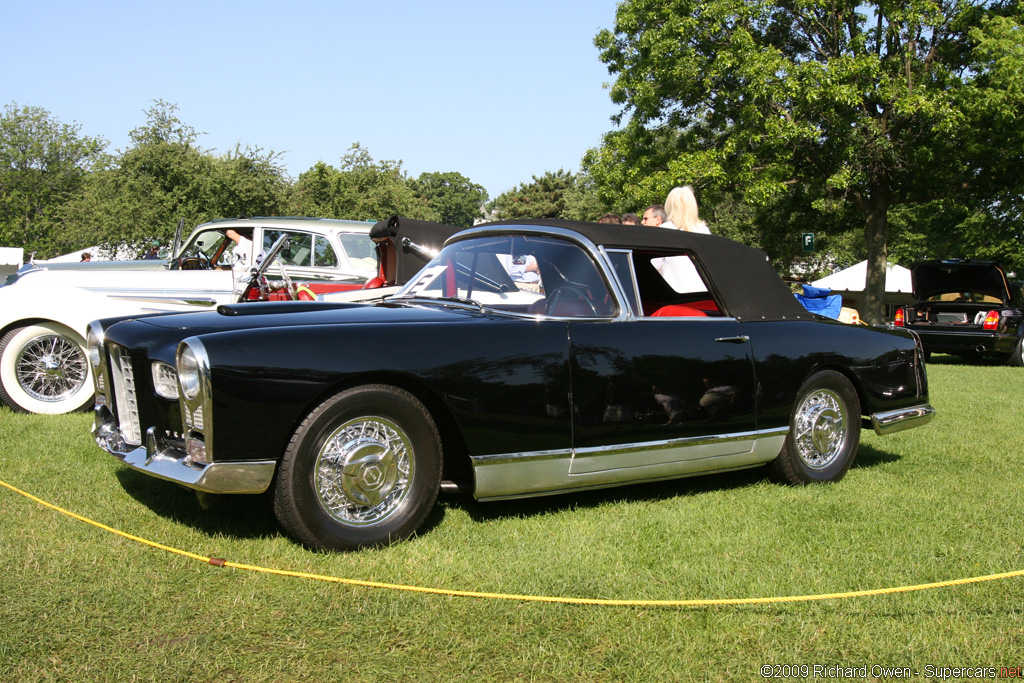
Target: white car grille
{"type": "Point", "coordinates": [125, 398]}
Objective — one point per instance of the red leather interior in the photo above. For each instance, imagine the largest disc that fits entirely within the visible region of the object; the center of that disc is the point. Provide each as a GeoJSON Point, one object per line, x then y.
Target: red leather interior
{"type": "Point", "coordinates": [678, 311]}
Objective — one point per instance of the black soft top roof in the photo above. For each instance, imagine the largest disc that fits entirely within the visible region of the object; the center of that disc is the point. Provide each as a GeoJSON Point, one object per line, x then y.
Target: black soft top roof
{"type": "Point", "coordinates": [425, 234]}
{"type": "Point", "coordinates": [742, 276]}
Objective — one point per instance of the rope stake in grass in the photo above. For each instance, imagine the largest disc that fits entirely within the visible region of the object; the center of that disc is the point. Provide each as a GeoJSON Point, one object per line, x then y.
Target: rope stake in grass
{"type": "Point", "coordinates": [220, 562]}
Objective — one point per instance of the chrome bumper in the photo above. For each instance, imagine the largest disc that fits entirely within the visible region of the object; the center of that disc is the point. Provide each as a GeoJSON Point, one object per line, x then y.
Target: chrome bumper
{"type": "Point", "coordinates": [163, 461]}
{"type": "Point", "coordinates": [905, 418]}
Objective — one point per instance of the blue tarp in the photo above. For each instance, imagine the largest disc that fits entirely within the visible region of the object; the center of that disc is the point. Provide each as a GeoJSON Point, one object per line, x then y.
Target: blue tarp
{"type": "Point", "coordinates": [821, 300]}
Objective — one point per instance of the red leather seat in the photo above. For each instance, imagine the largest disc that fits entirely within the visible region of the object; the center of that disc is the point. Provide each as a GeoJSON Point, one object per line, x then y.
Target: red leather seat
{"type": "Point", "coordinates": [678, 311]}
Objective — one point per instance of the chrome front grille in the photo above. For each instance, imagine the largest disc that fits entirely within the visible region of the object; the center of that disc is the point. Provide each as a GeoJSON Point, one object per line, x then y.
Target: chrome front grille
{"type": "Point", "coordinates": [125, 397]}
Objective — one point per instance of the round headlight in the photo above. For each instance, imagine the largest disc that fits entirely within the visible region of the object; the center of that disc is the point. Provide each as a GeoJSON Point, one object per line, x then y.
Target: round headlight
{"type": "Point", "coordinates": [188, 373]}
{"type": "Point", "coordinates": [92, 345]}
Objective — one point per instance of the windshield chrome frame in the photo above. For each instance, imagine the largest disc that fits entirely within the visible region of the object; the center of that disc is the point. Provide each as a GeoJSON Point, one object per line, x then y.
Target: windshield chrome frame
{"type": "Point", "coordinates": [598, 254]}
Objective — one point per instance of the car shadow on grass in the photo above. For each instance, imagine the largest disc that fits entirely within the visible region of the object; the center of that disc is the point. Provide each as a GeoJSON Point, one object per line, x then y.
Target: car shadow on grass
{"type": "Point", "coordinates": [252, 516]}
{"type": "Point", "coordinates": [241, 516]}
{"type": "Point", "coordinates": [249, 516]}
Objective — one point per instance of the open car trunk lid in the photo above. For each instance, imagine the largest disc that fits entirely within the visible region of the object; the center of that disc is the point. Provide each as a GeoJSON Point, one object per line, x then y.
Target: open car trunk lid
{"type": "Point", "coordinates": [934, 278]}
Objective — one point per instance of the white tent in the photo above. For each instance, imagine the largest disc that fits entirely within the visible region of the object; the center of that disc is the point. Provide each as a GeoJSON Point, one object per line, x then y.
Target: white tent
{"type": "Point", "coordinates": [897, 279]}
{"type": "Point", "coordinates": [11, 259]}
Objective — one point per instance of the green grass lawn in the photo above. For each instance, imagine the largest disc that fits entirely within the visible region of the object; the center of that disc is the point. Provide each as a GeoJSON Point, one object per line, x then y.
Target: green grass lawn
{"type": "Point", "coordinates": [941, 502]}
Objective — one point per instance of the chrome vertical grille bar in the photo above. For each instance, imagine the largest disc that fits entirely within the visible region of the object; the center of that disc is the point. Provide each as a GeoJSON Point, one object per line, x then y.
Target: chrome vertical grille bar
{"type": "Point", "coordinates": [124, 395]}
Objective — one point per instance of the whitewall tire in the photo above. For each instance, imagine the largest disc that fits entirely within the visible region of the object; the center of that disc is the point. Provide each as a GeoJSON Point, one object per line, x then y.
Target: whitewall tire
{"type": "Point", "coordinates": [44, 368]}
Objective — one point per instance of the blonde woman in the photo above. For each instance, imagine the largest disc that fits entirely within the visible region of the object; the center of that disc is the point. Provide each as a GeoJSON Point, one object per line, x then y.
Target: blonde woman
{"type": "Point", "coordinates": [681, 207]}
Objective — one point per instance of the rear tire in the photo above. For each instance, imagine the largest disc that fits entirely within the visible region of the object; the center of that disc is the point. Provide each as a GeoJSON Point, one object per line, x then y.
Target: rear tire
{"type": "Point", "coordinates": [1017, 357]}
{"type": "Point", "coordinates": [44, 368]}
{"type": "Point", "coordinates": [824, 432]}
{"type": "Point", "coordinates": [362, 470]}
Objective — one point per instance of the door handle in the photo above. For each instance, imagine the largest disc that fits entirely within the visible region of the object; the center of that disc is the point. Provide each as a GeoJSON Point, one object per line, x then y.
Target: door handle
{"type": "Point", "coordinates": [742, 339]}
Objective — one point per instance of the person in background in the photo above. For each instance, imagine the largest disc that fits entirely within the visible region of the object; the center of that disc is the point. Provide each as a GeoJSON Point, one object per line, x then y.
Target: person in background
{"type": "Point", "coordinates": [681, 207]}
{"type": "Point", "coordinates": [630, 219]}
{"type": "Point", "coordinates": [655, 217]}
{"type": "Point", "coordinates": [611, 218]}
{"type": "Point", "coordinates": [242, 250]}
{"type": "Point", "coordinates": [153, 251]}
{"type": "Point", "coordinates": [86, 256]}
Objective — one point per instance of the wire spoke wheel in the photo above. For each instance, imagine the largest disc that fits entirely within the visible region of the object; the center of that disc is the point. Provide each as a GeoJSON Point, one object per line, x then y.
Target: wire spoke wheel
{"type": "Point", "coordinates": [51, 368]}
{"type": "Point", "coordinates": [824, 432]}
{"type": "Point", "coordinates": [821, 428]}
{"type": "Point", "coordinates": [44, 369]}
{"type": "Point", "coordinates": [363, 470]}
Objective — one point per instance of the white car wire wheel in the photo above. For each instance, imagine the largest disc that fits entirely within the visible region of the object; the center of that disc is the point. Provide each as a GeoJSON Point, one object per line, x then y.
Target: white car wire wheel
{"type": "Point", "coordinates": [824, 432]}
{"type": "Point", "coordinates": [362, 470]}
{"type": "Point", "coordinates": [44, 369]}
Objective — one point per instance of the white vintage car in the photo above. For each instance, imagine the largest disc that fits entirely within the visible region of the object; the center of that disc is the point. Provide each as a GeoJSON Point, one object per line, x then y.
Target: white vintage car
{"type": "Point", "coordinates": [45, 309]}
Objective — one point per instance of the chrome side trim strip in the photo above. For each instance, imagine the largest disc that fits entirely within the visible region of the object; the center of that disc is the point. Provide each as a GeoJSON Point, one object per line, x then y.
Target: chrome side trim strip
{"type": "Point", "coordinates": [520, 475]}
{"type": "Point", "coordinates": [892, 421]}
{"type": "Point", "coordinates": [175, 301]}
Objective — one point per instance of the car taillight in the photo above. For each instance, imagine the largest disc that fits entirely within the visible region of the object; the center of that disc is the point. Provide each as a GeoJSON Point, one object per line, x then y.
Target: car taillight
{"type": "Point", "coordinates": [898, 320]}
{"type": "Point", "coordinates": [991, 321]}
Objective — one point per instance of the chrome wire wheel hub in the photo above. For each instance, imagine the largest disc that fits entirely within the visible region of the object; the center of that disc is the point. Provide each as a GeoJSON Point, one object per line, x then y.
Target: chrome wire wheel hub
{"type": "Point", "coordinates": [363, 470]}
{"type": "Point", "coordinates": [51, 368]}
{"type": "Point", "coordinates": [820, 428]}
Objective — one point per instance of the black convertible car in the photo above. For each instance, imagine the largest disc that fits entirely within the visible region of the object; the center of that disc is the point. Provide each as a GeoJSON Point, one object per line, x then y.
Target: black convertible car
{"type": "Point", "coordinates": [526, 358]}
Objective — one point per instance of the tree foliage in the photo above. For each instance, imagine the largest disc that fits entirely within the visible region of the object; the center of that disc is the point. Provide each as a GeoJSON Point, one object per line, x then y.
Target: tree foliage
{"type": "Point", "coordinates": [43, 163]}
{"type": "Point", "coordinates": [457, 200]}
{"type": "Point", "coordinates": [543, 197]}
{"type": "Point", "coordinates": [361, 189]}
{"type": "Point", "coordinates": [846, 109]}
{"type": "Point", "coordinates": [165, 177]}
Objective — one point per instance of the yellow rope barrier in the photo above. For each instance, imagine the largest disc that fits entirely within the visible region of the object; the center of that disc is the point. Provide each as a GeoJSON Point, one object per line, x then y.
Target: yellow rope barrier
{"type": "Point", "coordinates": [218, 562]}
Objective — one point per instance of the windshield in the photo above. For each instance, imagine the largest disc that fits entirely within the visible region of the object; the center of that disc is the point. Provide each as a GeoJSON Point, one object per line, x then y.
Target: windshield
{"type": "Point", "coordinates": [536, 275]}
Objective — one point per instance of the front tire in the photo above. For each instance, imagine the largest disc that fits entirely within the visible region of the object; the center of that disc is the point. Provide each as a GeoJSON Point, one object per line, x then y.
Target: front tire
{"type": "Point", "coordinates": [44, 368]}
{"type": "Point", "coordinates": [824, 432]}
{"type": "Point", "coordinates": [362, 470]}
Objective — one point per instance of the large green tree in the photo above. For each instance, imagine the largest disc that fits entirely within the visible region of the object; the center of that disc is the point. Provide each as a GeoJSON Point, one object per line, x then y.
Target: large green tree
{"type": "Point", "coordinates": [543, 197]}
{"type": "Point", "coordinates": [164, 177]}
{"type": "Point", "coordinates": [43, 163]}
{"type": "Point", "coordinates": [361, 189]}
{"type": "Point", "coordinates": [874, 105]}
{"type": "Point", "coordinates": [457, 200]}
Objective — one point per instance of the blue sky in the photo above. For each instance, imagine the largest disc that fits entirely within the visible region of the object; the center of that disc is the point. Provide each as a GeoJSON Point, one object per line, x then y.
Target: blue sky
{"type": "Point", "coordinates": [498, 91]}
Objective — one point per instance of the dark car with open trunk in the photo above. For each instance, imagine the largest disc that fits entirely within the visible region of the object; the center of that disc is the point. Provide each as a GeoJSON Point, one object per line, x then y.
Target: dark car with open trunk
{"type": "Point", "coordinates": [966, 308]}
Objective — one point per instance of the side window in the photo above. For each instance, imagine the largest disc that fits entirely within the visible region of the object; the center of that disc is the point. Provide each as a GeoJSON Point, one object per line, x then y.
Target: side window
{"type": "Point", "coordinates": [623, 265]}
{"type": "Point", "coordinates": [323, 253]}
{"type": "Point", "coordinates": [361, 253]}
{"type": "Point", "coordinates": [299, 250]}
{"type": "Point", "coordinates": [670, 285]}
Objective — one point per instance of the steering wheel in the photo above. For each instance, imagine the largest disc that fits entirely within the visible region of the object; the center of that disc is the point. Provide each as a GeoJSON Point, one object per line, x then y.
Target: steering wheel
{"type": "Point", "coordinates": [197, 261]}
{"type": "Point", "coordinates": [569, 293]}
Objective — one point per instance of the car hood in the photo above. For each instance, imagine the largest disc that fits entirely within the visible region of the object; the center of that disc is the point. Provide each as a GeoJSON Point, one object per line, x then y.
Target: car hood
{"type": "Point", "coordinates": [292, 314]}
{"type": "Point", "coordinates": [931, 278]}
{"type": "Point", "coordinates": [158, 335]}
